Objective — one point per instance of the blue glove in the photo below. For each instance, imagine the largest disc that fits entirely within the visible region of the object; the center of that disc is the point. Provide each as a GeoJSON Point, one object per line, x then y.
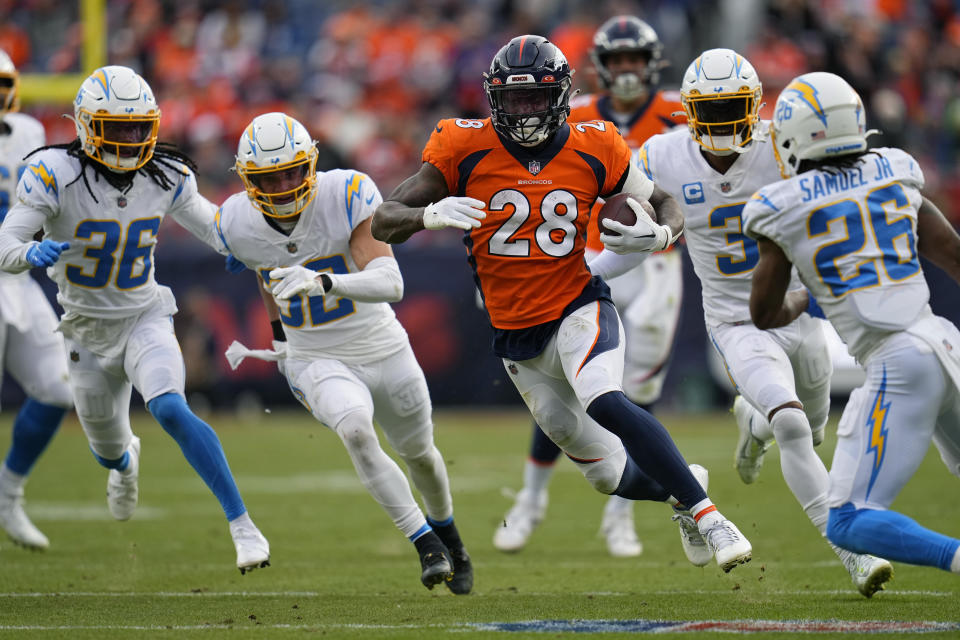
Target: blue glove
{"type": "Point", "coordinates": [233, 265]}
{"type": "Point", "coordinates": [44, 254]}
{"type": "Point", "coordinates": [813, 308]}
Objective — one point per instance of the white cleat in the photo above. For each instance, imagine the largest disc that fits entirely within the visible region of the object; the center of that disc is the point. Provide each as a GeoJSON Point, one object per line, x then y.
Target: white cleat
{"type": "Point", "coordinates": [527, 512]}
{"type": "Point", "coordinates": [122, 489]}
{"type": "Point", "coordinates": [869, 573]}
{"type": "Point", "coordinates": [617, 527]}
{"type": "Point", "coordinates": [748, 458]}
{"type": "Point", "coordinates": [694, 545]}
{"type": "Point", "coordinates": [727, 543]}
{"type": "Point", "coordinates": [253, 550]}
{"type": "Point", "coordinates": [14, 520]}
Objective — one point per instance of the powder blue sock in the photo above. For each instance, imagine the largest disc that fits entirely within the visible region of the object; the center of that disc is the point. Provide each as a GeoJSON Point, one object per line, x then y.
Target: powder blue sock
{"type": "Point", "coordinates": [201, 447]}
{"type": "Point", "coordinates": [890, 535]}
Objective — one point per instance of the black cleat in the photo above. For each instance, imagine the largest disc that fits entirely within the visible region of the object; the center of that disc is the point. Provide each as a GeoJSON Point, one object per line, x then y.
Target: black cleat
{"type": "Point", "coordinates": [436, 568]}
{"type": "Point", "coordinates": [462, 581]}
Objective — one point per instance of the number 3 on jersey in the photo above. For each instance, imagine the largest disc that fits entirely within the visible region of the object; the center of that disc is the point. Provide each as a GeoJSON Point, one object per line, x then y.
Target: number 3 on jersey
{"type": "Point", "coordinates": [746, 247]}
{"type": "Point", "coordinates": [136, 260]}
{"type": "Point", "coordinates": [319, 314]}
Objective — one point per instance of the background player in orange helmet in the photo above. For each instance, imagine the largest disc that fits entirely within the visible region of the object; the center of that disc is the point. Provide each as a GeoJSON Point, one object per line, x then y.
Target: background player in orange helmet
{"type": "Point", "coordinates": [521, 184]}
{"type": "Point", "coordinates": [626, 54]}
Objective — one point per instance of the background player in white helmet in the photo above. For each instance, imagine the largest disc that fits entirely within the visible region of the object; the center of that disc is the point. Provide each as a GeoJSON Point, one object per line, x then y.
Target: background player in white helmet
{"type": "Point", "coordinates": [782, 376]}
{"type": "Point", "coordinates": [852, 221]}
{"type": "Point", "coordinates": [346, 357]}
{"type": "Point", "coordinates": [627, 55]}
{"type": "Point", "coordinates": [29, 347]}
{"type": "Point", "coordinates": [100, 200]}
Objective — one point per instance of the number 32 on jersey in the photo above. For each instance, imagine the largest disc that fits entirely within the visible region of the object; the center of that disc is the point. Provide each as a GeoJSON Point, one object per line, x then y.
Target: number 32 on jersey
{"type": "Point", "coordinates": [315, 305]}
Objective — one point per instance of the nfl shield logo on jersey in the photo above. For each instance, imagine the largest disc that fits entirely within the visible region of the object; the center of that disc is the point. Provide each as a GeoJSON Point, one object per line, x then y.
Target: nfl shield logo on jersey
{"type": "Point", "coordinates": [725, 187]}
{"type": "Point", "coordinates": [121, 202]}
{"type": "Point", "coordinates": [292, 247]}
{"type": "Point", "coordinates": [534, 167]}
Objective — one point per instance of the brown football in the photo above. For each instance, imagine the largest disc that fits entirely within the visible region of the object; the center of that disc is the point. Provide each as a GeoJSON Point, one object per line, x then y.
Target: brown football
{"type": "Point", "coordinates": [616, 208]}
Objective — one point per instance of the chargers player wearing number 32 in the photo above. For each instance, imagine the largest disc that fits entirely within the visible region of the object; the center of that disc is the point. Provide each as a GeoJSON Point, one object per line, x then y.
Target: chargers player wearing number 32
{"type": "Point", "coordinates": [783, 376]}
{"type": "Point", "coordinates": [521, 185]}
{"type": "Point", "coordinates": [344, 354]}
{"type": "Point", "coordinates": [30, 349]}
{"type": "Point", "coordinates": [851, 221]}
{"type": "Point", "coordinates": [100, 200]}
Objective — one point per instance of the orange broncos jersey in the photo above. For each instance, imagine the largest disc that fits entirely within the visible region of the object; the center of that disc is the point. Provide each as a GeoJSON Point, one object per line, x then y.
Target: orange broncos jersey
{"type": "Point", "coordinates": [653, 118]}
{"type": "Point", "coordinates": [528, 254]}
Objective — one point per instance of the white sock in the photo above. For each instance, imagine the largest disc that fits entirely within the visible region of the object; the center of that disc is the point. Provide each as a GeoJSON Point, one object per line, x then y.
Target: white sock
{"type": "Point", "coordinates": [802, 468]}
{"type": "Point", "coordinates": [759, 425]}
{"type": "Point", "coordinates": [955, 564]}
{"type": "Point", "coordinates": [615, 505]}
{"type": "Point", "coordinates": [429, 476]}
{"type": "Point", "coordinates": [536, 477]}
{"type": "Point", "coordinates": [379, 473]}
{"type": "Point", "coordinates": [241, 520]}
{"type": "Point", "coordinates": [11, 482]}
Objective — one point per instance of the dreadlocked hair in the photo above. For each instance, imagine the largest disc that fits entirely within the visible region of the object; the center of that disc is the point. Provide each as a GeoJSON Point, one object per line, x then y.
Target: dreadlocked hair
{"type": "Point", "coordinates": [834, 164]}
{"type": "Point", "coordinates": [165, 156]}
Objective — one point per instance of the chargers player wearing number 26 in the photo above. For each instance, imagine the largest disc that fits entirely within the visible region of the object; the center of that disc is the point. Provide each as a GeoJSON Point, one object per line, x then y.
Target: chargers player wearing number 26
{"type": "Point", "coordinates": [521, 185]}
{"type": "Point", "coordinates": [327, 283]}
{"type": "Point", "coordinates": [783, 376]}
{"type": "Point", "coordinates": [30, 349]}
{"type": "Point", "coordinates": [852, 221]}
{"type": "Point", "coordinates": [100, 200]}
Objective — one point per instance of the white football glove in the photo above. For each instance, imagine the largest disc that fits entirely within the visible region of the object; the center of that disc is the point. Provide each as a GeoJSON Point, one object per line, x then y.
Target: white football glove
{"type": "Point", "coordinates": [294, 280]}
{"type": "Point", "coordinates": [454, 211]}
{"type": "Point", "coordinates": [644, 236]}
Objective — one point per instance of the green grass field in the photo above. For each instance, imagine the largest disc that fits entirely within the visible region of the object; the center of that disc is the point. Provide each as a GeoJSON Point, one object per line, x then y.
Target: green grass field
{"type": "Point", "coordinates": [341, 570]}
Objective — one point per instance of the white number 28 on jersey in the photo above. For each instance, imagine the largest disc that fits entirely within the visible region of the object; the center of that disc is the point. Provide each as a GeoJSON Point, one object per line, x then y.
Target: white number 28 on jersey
{"type": "Point", "coordinates": [555, 236]}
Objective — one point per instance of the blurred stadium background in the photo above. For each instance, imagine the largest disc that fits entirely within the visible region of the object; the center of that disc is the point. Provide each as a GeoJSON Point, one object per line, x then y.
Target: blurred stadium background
{"type": "Point", "coordinates": [369, 79]}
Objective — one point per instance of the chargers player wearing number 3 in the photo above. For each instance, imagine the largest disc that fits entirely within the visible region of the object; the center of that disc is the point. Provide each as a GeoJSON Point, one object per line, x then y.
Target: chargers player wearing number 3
{"type": "Point", "coordinates": [344, 354]}
{"type": "Point", "coordinates": [30, 349]}
{"type": "Point", "coordinates": [852, 221]}
{"type": "Point", "coordinates": [783, 376]}
{"type": "Point", "coordinates": [521, 185]}
{"type": "Point", "coordinates": [100, 225]}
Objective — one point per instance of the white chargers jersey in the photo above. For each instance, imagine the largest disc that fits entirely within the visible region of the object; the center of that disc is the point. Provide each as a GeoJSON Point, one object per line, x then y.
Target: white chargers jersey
{"type": "Point", "coordinates": [108, 271]}
{"type": "Point", "coordinates": [852, 235]}
{"type": "Point", "coordinates": [319, 326]}
{"type": "Point", "coordinates": [26, 134]}
{"type": "Point", "coordinates": [712, 202]}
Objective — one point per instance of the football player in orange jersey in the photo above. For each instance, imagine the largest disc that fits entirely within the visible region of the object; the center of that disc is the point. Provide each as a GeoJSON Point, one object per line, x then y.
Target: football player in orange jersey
{"type": "Point", "coordinates": [521, 184]}
{"type": "Point", "coordinates": [626, 54]}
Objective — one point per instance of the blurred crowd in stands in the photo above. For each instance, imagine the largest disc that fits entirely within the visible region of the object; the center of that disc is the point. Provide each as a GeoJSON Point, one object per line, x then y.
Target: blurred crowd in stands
{"type": "Point", "coordinates": [370, 78]}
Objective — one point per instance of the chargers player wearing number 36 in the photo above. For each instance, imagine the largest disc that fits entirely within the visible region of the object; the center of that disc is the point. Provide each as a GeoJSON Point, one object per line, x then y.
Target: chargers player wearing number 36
{"type": "Point", "coordinates": [30, 349]}
{"type": "Point", "coordinates": [782, 376]}
{"type": "Point", "coordinates": [852, 221]}
{"type": "Point", "coordinates": [326, 283]}
{"type": "Point", "coordinates": [100, 200]}
{"type": "Point", "coordinates": [520, 184]}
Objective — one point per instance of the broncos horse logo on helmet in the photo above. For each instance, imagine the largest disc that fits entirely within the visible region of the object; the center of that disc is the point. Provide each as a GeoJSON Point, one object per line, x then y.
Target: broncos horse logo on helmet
{"type": "Point", "coordinates": [528, 87]}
